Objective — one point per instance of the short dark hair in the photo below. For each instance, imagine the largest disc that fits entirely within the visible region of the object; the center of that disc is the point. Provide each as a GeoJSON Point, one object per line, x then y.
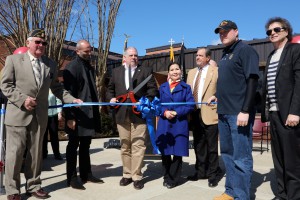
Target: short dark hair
{"type": "Point", "coordinates": [285, 24]}
{"type": "Point", "coordinates": [172, 63]}
{"type": "Point", "coordinates": [207, 51]}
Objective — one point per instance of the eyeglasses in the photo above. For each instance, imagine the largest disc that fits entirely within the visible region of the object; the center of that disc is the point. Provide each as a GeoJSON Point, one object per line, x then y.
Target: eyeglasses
{"type": "Point", "coordinates": [276, 30]}
{"type": "Point", "coordinates": [40, 42]}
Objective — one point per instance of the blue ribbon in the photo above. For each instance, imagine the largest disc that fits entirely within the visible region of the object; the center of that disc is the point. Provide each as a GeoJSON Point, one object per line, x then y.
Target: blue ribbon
{"type": "Point", "coordinates": [150, 110]}
{"type": "Point", "coordinates": [2, 111]}
{"type": "Point", "coordinates": [122, 104]}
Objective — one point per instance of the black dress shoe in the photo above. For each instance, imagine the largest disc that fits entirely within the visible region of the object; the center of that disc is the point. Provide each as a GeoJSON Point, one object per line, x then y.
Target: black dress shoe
{"type": "Point", "coordinates": [58, 157]}
{"type": "Point", "coordinates": [277, 198]}
{"type": "Point", "coordinates": [14, 197]}
{"type": "Point", "coordinates": [92, 179]}
{"type": "Point", "coordinates": [212, 183]}
{"type": "Point", "coordinates": [39, 194]}
{"type": "Point", "coordinates": [138, 185]}
{"type": "Point", "coordinates": [170, 185]}
{"type": "Point", "coordinates": [76, 185]}
{"type": "Point", "coordinates": [125, 181]}
{"type": "Point", "coordinates": [165, 184]}
{"type": "Point", "coordinates": [195, 177]}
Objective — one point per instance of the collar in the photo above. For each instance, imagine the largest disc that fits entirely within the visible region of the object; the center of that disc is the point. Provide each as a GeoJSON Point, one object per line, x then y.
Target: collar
{"type": "Point", "coordinates": [132, 68]}
{"type": "Point", "coordinates": [170, 81]}
{"type": "Point", "coordinates": [203, 68]}
{"type": "Point", "coordinates": [32, 58]}
{"type": "Point", "coordinates": [230, 48]}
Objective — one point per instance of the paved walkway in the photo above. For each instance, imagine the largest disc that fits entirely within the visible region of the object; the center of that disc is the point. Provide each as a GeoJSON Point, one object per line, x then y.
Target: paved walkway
{"type": "Point", "coordinates": [106, 164]}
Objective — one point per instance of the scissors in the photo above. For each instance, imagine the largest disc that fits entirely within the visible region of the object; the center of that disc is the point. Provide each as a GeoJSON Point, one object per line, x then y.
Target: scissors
{"type": "Point", "coordinates": [122, 98]}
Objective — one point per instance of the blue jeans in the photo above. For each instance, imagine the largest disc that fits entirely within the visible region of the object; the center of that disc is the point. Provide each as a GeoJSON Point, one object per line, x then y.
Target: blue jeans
{"type": "Point", "coordinates": [236, 152]}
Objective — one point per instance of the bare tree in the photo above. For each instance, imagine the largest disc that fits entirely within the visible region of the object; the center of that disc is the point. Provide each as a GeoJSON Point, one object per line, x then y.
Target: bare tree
{"type": "Point", "coordinates": [107, 11]}
{"type": "Point", "coordinates": [18, 17]}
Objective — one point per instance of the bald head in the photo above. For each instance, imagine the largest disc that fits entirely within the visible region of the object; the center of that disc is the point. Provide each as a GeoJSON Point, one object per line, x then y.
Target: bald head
{"type": "Point", "coordinates": [84, 49]}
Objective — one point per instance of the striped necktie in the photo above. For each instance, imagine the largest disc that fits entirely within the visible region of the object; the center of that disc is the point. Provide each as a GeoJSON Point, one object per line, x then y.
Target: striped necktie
{"type": "Point", "coordinates": [37, 71]}
{"type": "Point", "coordinates": [196, 87]}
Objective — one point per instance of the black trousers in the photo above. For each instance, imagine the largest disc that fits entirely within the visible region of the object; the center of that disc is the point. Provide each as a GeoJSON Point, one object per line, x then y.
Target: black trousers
{"type": "Point", "coordinates": [83, 142]}
{"type": "Point", "coordinates": [172, 168]}
{"type": "Point", "coordinates": [205, 147]}
{"type": "Point", "coordinates": [285, 143]}
{"type": "Point", "coordinates": [52, 128]}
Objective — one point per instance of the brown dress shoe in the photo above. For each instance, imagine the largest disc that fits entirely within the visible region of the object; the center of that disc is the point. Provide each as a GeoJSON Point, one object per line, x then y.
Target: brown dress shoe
{"type": "Point", "coordinates": [14, 197]}
{"type": "Point", "coordinates": [39, 194]}
{"type": "Point", "coordinates": [125, 181]}
{"type": "Point", "coordinates": [138, 185]}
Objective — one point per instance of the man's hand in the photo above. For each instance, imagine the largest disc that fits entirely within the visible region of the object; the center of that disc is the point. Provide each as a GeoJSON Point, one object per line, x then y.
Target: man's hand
{"type": "Point", "coordinates": [242, 119]}
{"type": "Point", "coordinates": [211, 99]}
{"type": "Point", "coordinates": [30, 103]}
{"type": "Point", "coordinates": [113, 100]}
{"type": "Point", "coordinates": [292, 120]}
{"type": "Point", "coordinates": [78, 101]}
{"type": "Point", "coordinates": [60, 117]}
{"type": "Point", "coordinates": [71, 124]}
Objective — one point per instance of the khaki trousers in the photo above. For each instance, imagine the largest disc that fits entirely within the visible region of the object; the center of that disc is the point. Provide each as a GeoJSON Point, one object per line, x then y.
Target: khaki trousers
{"type": "Point", "coordinates": [17, 139]}
{"type": "Point", "coordinates": [133, 140]}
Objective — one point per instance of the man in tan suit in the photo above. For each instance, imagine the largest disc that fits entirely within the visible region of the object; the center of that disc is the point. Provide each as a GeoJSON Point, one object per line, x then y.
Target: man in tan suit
{"type": "Point", "coordinates": [204, 119]}
{"type": "Point", "coordinates": [25, 82]}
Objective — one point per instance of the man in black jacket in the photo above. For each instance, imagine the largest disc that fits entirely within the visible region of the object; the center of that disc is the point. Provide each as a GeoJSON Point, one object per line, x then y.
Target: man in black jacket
{"type": "Point", "coordinates": [132, 128]}
{"type": "Point", "coordinates": [281, 105]}
{"type": "Point", "coordinates": [81, 122]}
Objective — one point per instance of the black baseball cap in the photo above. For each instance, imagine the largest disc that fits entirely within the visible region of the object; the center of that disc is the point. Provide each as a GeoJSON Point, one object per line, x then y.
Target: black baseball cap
{"type": "Point", "coordinates": [226, 25]}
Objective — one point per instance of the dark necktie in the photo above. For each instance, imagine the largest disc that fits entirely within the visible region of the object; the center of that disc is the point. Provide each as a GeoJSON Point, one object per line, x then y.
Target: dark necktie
{"type": "Point", "coordinates": [130, 79]}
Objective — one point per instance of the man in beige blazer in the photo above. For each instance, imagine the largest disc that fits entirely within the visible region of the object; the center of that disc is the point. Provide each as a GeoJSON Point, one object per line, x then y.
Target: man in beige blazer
{"type": "Point", "coordinates": [26, 82]}
{"type": "Point", "coordinates": [204, 120]}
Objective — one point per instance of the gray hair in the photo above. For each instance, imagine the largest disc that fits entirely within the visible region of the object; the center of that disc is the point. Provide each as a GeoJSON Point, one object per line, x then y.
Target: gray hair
{"type": "Point", "coordinates": [126, 50]}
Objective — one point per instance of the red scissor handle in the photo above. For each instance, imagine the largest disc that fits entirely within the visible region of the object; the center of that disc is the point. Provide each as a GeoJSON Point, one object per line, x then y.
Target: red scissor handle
{"type": "Point", "coordinates": [122, 98]}
{"type": "Point", "coordinates": [131, 96]}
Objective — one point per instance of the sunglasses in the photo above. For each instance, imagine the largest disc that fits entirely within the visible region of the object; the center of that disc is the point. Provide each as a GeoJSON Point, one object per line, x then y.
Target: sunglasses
{"type": "Point", "coordinates": [276, 30]}
{"type": "Point", "coordinates": [40, 42]}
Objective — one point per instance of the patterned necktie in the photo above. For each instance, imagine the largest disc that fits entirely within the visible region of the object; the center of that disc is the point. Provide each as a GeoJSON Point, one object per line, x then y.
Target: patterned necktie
{"type": "Point", "coordinates": [196, 87]}
{"type": "Point", "coordinates": [37, 71]}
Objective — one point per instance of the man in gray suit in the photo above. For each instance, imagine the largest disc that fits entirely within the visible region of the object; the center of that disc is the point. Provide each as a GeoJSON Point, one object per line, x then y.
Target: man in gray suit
{"type": "Point", "coordinates": [25, 82]}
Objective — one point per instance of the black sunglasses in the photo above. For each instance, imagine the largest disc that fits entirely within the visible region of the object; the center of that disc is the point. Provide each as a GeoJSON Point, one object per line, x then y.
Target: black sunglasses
{"type": "Point", "coordinates": [40, 42]}
{"type": "Point", "coordinates": [276, 30]}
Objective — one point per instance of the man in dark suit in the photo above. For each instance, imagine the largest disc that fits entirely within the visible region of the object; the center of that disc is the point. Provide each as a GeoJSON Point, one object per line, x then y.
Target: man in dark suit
{"type": "Point", "coordinates": [281, 105]}
{"type": "Point", "coordinates": [25, 82]}
{"type": "Point", "coordinates": [132, 128]}
{"type": "Point", "coordinates": [83, 122]}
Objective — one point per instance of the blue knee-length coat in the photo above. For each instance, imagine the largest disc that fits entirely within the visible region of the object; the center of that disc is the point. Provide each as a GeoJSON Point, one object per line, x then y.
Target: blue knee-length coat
{"type": "Point", "coordinates": [172, 136]}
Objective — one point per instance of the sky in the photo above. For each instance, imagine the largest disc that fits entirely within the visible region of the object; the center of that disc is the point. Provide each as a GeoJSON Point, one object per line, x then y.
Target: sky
{"type": "Point", "coordinates": [152, 23]}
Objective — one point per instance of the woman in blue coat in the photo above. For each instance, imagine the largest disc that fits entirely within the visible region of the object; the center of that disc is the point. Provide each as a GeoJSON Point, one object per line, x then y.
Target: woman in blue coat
{"type": "Point", "coordinates": [172, 136]}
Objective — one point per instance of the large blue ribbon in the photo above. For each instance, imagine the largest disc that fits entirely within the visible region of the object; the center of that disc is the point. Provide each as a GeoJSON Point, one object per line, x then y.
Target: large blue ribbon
{"type": "Point", "coordinates": [150, 110]}
{"type": "Point", "coordinates": [147, 108]}
{"type": "Point", "coordinates": [121, 104]}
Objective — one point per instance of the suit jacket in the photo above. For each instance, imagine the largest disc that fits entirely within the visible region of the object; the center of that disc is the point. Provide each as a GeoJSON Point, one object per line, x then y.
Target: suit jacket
{"type": "Point", "coordinates": [117, 87]}
{"type": "Point", "coordinates": [208, 113]}
{"type": "Point", "coordinates": [18, 82]}
{"type": "Point", "coordinates": [287, 83]}
{"type": "Point", "coordinates": [76, 80]}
